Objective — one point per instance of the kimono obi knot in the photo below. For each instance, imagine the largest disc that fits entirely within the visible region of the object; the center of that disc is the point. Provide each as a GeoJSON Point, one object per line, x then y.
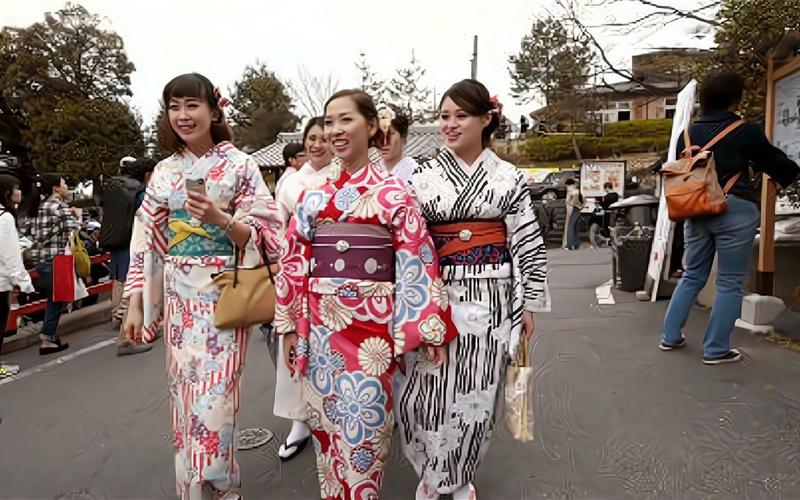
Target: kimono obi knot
{"type": "Point", "coordinates": [458, 237]}
{"type": "Point", "coordinates": [352, 251]}
{"type": "Point", "coordinates": [190, 238]}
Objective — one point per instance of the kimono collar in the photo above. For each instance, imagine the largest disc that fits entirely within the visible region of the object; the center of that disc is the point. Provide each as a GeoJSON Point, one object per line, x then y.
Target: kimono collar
{"type": "Point", "coordinates": [486, 153]}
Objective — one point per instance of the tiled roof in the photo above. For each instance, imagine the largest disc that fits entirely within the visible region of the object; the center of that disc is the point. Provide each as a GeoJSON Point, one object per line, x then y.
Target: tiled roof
{"type": "Point", "coordinates": [422, 144]}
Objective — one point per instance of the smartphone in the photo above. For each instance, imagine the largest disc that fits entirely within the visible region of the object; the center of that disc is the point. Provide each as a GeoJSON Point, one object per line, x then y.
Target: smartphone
{"type": "Point", "coordinates": [196, 185]}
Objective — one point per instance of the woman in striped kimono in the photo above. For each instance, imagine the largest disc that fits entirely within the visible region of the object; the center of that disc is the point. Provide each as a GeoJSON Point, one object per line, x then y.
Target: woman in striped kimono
{"type": "Point", "coordinates": [492, 258]}
{"type": "Point", "coordinates": [203, 203]}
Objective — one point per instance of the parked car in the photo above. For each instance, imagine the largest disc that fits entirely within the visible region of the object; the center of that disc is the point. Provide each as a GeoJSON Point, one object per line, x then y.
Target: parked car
{"type": "Point", "coordinates": [553, 186]}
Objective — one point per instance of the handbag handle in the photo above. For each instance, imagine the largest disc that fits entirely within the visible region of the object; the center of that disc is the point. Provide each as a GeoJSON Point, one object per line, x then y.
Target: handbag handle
{"type": "Point", "coordinates": [262, 249]}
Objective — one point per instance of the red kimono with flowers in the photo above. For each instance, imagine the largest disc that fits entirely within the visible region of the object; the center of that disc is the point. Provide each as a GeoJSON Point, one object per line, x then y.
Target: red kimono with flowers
{"type": "Point", "coordinates": [351, 331]}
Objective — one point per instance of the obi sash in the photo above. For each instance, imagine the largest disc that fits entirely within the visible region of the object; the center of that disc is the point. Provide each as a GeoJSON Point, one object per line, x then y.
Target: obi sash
{"type": "Point", "coordinates": [471, 242]}
{"type": "Point", "coordinates": [187, 238]}
{"type": "Point", "coordinates": [352, 251]}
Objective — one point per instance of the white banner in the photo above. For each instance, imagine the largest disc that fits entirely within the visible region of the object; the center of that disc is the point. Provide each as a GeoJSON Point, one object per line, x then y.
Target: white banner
{"type": "Point", "coordinates": [662, 240]}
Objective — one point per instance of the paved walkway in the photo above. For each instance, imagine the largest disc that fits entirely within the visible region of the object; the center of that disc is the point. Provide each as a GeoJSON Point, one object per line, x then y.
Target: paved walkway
{"type": "Point", "coordinates": [615, 417]}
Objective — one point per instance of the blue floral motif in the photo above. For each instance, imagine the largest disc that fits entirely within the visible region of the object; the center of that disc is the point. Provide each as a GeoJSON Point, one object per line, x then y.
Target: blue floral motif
{"type": "Point", "coordinates": [412, 288]}
{"type": "Point", "coordinates": [345, 197]}
{"type": "Point", "coordinates": [323, 364]}
{"type": "Point", "coordinates": [362, 459]}
{"type": "Point", "coordinates": [361, 408]}
{"type": "Point", "coordinates": [313, 202]}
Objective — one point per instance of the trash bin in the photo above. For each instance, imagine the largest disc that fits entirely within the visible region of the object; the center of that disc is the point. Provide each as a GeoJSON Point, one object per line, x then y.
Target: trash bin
{"type": "Point", "coordinates": [631, 255]}
{"type": "Point", "coordinates": [631, 239]}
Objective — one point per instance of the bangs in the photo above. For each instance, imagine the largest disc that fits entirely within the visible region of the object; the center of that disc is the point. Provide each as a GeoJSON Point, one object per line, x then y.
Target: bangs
{"type": "Point", "coordinates": [188, 85]}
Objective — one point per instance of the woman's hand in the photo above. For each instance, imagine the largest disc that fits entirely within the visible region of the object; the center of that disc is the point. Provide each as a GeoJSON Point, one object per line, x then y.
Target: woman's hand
{"type": "Point", "coordinates": [436, 354]}
{"type": "Point", "coordinates": [528, 326]}
{"type": "Point", "coordinates": [202, 208]}
{"type": "Point", "coordinates": [134, 319]}
{"type": "Point", "coordinates": [289, 350]}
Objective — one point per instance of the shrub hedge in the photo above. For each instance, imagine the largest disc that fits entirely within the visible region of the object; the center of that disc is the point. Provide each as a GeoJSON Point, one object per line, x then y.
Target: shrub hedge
{"type": "Point", "coordinates": [638, 136]}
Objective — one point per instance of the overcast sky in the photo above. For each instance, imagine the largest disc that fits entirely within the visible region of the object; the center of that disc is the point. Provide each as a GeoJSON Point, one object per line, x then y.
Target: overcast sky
{"type": "Point", "coordinates": [164, 38]}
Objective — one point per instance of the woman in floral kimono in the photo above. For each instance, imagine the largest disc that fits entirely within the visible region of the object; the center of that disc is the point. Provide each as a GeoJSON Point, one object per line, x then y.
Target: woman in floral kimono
{"type": "Point", "coordinates": [359, 285]}
{"type": "Point", "coordinates": [493, 261]}
{"type": "Point", "coordinates": [203, 203]}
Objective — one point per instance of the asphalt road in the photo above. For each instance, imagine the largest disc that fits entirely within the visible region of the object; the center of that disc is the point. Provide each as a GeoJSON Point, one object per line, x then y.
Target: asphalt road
{"type": "Point", "coordinates": [615, 417]}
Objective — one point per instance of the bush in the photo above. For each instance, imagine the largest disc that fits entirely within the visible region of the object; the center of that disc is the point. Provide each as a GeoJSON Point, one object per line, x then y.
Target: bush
{"type": "Point", "coordinates": [622, 137]}
{"type": "Point", "coordinates": [638, 128]}
{"type": "Point", "coordinates": [559, 147]}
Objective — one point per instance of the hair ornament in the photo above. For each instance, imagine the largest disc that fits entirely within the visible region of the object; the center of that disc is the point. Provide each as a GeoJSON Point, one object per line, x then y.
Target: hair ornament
{"type": "Point", "coordinates": [498, 106]}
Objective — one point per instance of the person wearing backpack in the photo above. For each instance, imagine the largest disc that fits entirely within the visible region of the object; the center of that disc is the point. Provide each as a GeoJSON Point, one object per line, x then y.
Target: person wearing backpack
{"type": "Point", "coordinates": [122, 197]}
{"type": "Point", "coordinates": [728, 229]}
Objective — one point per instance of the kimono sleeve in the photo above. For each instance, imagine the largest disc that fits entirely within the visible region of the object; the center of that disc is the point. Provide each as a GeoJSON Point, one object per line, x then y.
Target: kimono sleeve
{"type": "Point", "coordinates": [421, 309]}
{"type": "Point", "coordinates": [527, 250]}
{"type": "Point", "coordinates": [148, 248]}
{"type": "Point", "coordinates": [254, 205]}
{"type": "Point", "coordinates": [291, 285]}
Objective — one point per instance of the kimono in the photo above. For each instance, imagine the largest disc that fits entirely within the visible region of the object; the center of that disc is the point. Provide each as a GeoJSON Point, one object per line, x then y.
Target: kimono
{"type": "Point", "coordinates": [351, 330]}
{"type": "Point", "coordinates": [289, 402]}
{"type": "Point", "coordinates": [174, 259]}
{"type": "Point", "coordinates": [447, 415]}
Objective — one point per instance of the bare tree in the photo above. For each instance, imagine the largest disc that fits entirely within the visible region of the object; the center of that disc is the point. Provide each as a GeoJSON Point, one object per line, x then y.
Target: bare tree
{"type": "Point", "coordinates": [634, 18]}
{"type": "Point", "coordinates": [312, 91]}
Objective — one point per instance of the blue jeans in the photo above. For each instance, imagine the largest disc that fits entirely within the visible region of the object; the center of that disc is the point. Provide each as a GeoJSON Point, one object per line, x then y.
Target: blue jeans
{"type": "Point", "coordinates": [52, 314]}
{"type": "Point", "coordinates": [573, 238]}
{"type": "Point", "coordinates": [731, 237]}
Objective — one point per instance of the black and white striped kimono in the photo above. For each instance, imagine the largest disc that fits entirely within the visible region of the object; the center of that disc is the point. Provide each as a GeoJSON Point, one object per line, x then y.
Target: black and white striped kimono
{"type": "Point", "coordinates": [447, 415]}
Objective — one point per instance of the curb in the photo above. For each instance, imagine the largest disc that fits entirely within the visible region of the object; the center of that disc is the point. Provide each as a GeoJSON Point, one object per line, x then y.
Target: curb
{"type": "Point", "coordinates": [75, 321]}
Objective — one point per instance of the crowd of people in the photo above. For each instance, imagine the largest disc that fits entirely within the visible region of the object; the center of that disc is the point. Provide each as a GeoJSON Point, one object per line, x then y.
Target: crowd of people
{"type": "Point", "coordinates": [402, 289]}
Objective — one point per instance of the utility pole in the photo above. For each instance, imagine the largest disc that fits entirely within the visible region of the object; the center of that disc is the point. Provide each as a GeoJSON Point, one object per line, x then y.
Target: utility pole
{"type": "Point", "coordinates": [474, 72]}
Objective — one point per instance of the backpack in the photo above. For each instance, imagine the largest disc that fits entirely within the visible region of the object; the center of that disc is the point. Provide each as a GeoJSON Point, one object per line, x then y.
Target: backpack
{"type": "Point", "coordinates": [119, 210]}
{"type": "Point", "coordinates": [691, 185]}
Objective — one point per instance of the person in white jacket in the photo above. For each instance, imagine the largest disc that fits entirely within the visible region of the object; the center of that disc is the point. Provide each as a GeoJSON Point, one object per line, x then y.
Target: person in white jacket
{"type": "Point", "coordinates": [12, 271]}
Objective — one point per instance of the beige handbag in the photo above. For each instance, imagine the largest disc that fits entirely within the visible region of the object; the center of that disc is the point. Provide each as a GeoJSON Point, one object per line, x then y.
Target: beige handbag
{"type": "Point", "coordinates": [247, 296]}
{"type": "Point", "coordinates": [519, 395]}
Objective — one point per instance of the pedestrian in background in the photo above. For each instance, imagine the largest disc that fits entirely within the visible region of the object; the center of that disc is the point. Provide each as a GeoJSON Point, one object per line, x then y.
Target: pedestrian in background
{"type": "Point", "coordinates": [730, 235]}
{"type": "Point", "coordinates": [50, 226]}
{"type": "Point", "coordinates": [12, 271]}
{"type": "Point", "coordinates": [574, 205]}
{"type": "Point", "coordinates": [294, 156]}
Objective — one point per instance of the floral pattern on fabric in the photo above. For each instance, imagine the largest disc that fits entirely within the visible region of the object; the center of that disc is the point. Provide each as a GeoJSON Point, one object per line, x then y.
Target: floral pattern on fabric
{"type": "Point", "coordinates": [351, 330]}
{"type": "Point", "coordinates": [204, 364]}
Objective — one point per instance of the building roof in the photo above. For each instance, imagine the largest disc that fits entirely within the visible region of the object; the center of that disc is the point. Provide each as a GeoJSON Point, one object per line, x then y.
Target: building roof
{"type": "Point", "coordinates": [423, 143]}
{"type": "Point", "coordinates": [272, 155]}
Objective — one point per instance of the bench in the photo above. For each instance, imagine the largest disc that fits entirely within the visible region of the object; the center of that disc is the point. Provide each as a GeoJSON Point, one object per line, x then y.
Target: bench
{"type": "Point", "coordinates": [41, 304]}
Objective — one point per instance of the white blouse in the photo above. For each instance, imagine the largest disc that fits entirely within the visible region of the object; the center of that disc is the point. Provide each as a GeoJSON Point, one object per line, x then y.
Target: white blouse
{"type": "Point", "coordinates": [12, 270]}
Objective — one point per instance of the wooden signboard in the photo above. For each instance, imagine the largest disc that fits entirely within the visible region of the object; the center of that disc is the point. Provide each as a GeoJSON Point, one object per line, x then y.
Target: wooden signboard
{"type": "Point", "coordinates": [783, 130]}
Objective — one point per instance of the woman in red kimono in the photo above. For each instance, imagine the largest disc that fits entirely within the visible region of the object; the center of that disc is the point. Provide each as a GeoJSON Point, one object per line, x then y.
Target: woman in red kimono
{"type": "Point", "coordinates": [359, 286]}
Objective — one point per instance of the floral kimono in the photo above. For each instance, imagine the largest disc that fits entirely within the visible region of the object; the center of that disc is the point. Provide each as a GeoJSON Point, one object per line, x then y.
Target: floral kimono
{"type": "Point", "coordinates": [447, 415]}
{"type": "Point", "coordinates": [174, 261]}
{"type": "Point", "coordinates": [351, 330]}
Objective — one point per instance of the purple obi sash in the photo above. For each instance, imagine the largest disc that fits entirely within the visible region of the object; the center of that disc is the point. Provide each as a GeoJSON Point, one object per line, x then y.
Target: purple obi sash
{"type": "Point", "coordinates": [353, 251]}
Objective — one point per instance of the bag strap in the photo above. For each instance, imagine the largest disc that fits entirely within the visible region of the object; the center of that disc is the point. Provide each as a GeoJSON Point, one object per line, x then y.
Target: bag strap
{"type": "Point", "coordinates": [730, 128]}
{"type": "Point", "coordinates": [731, 182]}
{"type": "Point", "coordinates": [262, 249]}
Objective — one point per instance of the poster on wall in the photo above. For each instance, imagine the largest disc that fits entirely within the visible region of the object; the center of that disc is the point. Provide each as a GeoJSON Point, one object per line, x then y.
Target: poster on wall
{"type": "Point", "coordinates": [786, 129]}
{"type": "Point", "coordinates": [596, 173]}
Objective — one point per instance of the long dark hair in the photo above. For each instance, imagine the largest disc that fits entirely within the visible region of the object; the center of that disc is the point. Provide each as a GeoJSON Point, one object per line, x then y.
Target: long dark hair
{"type": "Point", "coordinates": [197, 86]}
{"type": "Point", "coordinates": [7, 185]}
{"type": "Point", "coordinates": [473, 97]}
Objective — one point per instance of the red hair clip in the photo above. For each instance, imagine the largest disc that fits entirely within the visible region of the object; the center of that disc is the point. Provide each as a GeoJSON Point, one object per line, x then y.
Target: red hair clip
{"type": "Point", "coordinates": [498, 106]}
{"type": "Point", "coordinates": [222, 102]}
